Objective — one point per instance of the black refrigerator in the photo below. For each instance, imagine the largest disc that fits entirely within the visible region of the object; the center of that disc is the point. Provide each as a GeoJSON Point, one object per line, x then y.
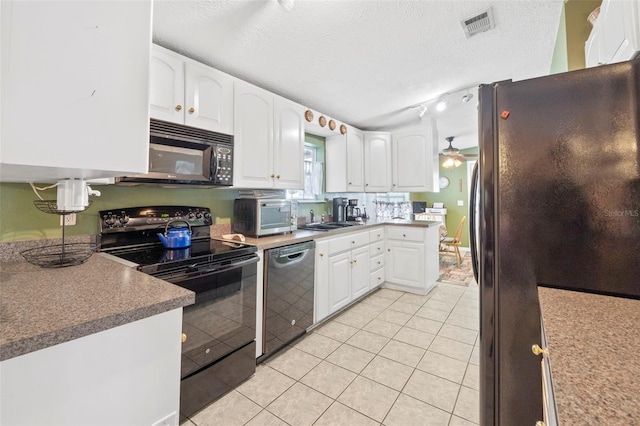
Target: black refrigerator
{"type": "Point", "coordinates": [557, 204]}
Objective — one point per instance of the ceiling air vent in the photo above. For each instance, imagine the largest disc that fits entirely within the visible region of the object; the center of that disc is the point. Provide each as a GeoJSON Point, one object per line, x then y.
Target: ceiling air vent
{"type": "Point", "coordinates": [483, 21]}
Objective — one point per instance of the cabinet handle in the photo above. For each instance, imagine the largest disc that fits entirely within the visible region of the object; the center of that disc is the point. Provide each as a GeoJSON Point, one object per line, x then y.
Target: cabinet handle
{"type": "Point", "coordinates": [350, 183]}
{"type": "Point", "coordinates": [321, 254]}
{"type": "Point", "coordinates": [192, 110]}
{"type": "Point", "coordinates": [404, 235]}
{"type": "Point", "coordinates": [379, 278]}
{"type": "Point", "coordinates": [379, 249]}
{"type": "Point", "coordinates": [178, 107]}
{"type": "Point", "coordinates": [355, 260]}
{"type": "Point", "coordinates": [272, 175]}
{"type": "Point", "coordinates": [537, 350]}
{"type": "Point", "coordinates": [388, 249]}
{"type": "Point", "coordinates": [366, 184]}
{"type": "Point", "coordinates": [278, 176]}
{"type": "Point", "coordinates": [378, 262]}
{"type": "Point", "coordinates": [184, 338]}
{"type": "Point", "coordinates": [353, 242]}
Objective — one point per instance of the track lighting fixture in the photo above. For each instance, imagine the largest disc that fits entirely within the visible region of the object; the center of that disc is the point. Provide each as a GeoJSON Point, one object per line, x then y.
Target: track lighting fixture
{"type": "Point", "coordinates": [442, 103]}
{"type": "Point", "coordinates": [467, 97]}
{"type": "Point", "coordinates": [421, 111]}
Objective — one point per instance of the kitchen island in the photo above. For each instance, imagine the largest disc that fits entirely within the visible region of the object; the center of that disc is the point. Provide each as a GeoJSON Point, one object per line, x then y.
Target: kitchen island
{"type": "Point", "coordinates": [87, 344]}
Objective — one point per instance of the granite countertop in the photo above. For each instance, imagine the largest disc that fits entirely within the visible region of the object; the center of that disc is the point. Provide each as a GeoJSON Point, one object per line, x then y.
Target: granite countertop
{"type": "Point", "coordinates": [302, 235]}
{"type": "Point", "coordinates": [42, 307]}
{"type": "Point", "coordinates": [593, 343]}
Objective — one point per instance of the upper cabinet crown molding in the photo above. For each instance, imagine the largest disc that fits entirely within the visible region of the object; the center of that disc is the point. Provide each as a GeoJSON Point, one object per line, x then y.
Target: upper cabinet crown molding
{"type": "Point", "coordinates": [187, 92]}
{"type": "Point", "coordinates": [74, 89]}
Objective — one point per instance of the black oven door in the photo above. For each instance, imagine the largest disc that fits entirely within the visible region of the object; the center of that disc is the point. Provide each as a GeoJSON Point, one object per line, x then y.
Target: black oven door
{"type": "Point", "coordinates": [219, 330]}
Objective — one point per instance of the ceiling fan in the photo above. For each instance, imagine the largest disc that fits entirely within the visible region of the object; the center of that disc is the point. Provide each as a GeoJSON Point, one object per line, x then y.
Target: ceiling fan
{"type": "Point", "coordinates": [454, 157]}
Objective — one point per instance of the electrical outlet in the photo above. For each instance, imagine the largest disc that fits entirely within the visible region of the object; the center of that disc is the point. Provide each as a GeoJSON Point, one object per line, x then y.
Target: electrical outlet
{"type": "Point", "coordinates": [68, 219]}
{"type": "Point", "coordinates": [460, 203]}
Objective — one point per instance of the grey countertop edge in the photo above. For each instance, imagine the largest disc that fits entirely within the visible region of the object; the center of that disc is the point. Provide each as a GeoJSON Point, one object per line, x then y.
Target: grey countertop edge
{"type": "Point", "coordinates": [33, 343]}
{"type": "Point", "coordinates": [302, 235]}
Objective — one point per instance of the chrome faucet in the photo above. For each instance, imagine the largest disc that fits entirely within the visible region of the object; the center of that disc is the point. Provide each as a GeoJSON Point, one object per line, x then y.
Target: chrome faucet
{"type": "Point", "coordinates": [312, 215]}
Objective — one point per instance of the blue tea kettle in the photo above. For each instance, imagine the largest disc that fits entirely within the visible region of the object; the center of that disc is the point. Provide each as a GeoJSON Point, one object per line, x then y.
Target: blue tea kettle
{"type": "Point", "coordinates": [176, 238]}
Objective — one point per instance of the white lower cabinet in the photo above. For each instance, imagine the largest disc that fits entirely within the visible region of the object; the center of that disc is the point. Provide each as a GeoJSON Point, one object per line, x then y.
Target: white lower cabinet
{"type": "Point", "coordinates": [411, 258]}
{"type": "Point", "coordinates": [126, 375]}
{"type": "Point", "coordinates": [350, 265]}
{"type": "Point", "coordinates": [342, 272]}
{"type": "Point", "coordinates": [321, 281]}
{"type": "Point", "coordinates": [376, 259]}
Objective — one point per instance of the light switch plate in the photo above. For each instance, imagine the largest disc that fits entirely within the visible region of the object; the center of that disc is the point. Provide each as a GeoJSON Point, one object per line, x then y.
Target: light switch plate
{"type": "Point", "coordinates": [460, 203]}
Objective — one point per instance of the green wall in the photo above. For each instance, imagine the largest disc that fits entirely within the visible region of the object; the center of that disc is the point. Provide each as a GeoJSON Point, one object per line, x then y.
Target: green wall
{"type": "Point", "coordinates": [457, 190]}
{"type": "Point", "coordinates": [21, 220]}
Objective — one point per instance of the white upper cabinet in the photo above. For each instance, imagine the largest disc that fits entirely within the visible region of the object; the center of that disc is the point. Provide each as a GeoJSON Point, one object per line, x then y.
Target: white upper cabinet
{"type": "Point", "coordinates": [184, 91]}
{"type": "Point", "coordinates": [288, 156]}
{"type": "Point", "coordinates": [74, 89]}
{"type": "Point", "coordinates": [355, 160]}
{"type": "Point", "coordinates": [615, 36]}
{"type": "Point", "coordinates": [415, 159]}
{"type": "Point", "coordinates": [166, 85]}
{"type": "Point", "coordinates": [336, 163]}
{"type": "Point", "coordinates": [377, 161]}
{"type": "Point", "coordinates": [269, 139]}
{"type": "Point", "coordinates": [345, 161]}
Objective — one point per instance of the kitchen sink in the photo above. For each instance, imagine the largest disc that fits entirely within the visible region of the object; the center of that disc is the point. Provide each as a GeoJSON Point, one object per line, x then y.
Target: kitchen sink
{"type": "Point", "coordinates": [327, 226]}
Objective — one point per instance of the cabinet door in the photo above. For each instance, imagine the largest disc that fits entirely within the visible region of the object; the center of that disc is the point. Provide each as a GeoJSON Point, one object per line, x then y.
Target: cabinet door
{"type": "Point", "coordinates": [339, 281]}
{"type": "Point", "coordinates": [377, 162]}
{"type": "Point", "coordinates": [355, 160]}
{"type": "Point", "coordinates": [336, 163]}
{"type": "Point", "coordinates": [166, 85]}
{"type": "Point", "coordinates": [360, 272]}
{"type": "Point", "coordinates": [253, 130]}
{"type": "Point", "coordinates": [404, 264]}
{"type": "Point", "coordinates": [415, 159]}
{"type": "Point", "coordinates": [321, 288]}
{"type": "Point", "coordinates": [75, 89]}
{"type": "Point", "coordinates": [208, 99]}
{"type": "Point", "coordinates": [288, 156]}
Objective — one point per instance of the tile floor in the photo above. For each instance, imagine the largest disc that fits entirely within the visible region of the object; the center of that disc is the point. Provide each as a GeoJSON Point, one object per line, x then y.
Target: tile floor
{"type": "Point", "coordinates": [394, 358]}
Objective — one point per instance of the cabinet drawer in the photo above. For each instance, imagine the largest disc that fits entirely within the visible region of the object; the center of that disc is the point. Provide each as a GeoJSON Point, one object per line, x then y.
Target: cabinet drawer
{"type": "Point", "coordinates": [376, 249]}
{"type": "Point", "coordinates": [405, 233]}
{"type": "Point", "coordinates": [376, 235]}
{"type": "Point", "coordinates": [376, 263]}
{"type": "Point", "coordinates": [349, 241]}
{"type": "Point", "coordinates": [377, 278]}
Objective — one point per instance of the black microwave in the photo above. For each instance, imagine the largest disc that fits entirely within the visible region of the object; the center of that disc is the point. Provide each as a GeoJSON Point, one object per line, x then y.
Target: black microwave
{"type": "Point", "coordinates": [183, 155]}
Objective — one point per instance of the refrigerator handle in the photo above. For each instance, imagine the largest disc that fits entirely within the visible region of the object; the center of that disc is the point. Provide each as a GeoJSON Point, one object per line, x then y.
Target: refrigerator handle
{"type": "Point", "coordinates": [472, 222]}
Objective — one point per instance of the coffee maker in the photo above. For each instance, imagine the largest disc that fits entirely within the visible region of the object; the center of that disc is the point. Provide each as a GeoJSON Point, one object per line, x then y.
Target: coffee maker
{"type": "Point", "coordinates": [339, 209]}
{"type": "Point", "coordinates": [353, 212]}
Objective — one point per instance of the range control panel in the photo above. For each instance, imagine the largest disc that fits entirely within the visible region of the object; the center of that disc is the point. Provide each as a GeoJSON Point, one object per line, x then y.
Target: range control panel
{"type": "Point", "coordinates": [117, 220]}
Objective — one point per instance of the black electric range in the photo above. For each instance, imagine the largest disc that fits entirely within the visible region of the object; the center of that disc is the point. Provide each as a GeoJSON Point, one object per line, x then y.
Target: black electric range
{"type": "Point", "coordinates": [219, 329]}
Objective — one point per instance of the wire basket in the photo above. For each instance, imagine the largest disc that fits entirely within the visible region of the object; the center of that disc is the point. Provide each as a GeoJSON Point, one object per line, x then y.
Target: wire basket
{"type": "Point", "coordinates": [59, 255]}
{"type": "Point", "coordinates": [51, 207]}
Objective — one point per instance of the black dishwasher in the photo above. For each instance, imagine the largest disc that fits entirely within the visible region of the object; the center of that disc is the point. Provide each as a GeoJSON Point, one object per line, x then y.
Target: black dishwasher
{"type": "Point", "coordinates": [288, 295]}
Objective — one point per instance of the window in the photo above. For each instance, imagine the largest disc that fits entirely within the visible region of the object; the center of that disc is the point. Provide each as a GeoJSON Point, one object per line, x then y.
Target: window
{"type": "Point", "coordinates": [312, 176]}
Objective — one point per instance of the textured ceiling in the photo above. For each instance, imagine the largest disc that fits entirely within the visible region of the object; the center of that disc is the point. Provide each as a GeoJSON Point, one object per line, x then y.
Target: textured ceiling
{"type": "Point", "coordinates": [366, 63]}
